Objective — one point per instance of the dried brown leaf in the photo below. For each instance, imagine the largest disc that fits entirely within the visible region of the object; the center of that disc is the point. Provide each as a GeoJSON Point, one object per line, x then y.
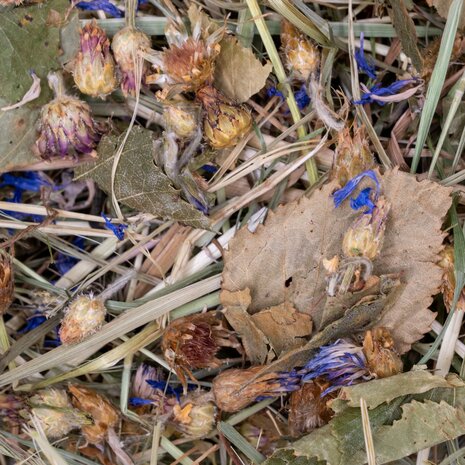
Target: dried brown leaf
{"type": "Point", "coordinates": [282, 260]}
{"type": "Point", "coordinates": [238, 72]}
{"type": "Point", "coordinates": [443, 6]}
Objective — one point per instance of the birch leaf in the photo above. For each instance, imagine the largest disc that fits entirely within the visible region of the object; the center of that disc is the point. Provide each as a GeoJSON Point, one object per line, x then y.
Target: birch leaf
{"type": "Point", "coordinates": [283, 260]}
{"type": "Point", "coordinates": [139, 183]}
{"type": "Point", "coordinates": [238, 72]}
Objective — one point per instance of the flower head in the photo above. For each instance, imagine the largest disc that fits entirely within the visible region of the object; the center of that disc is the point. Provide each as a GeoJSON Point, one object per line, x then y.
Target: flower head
{"type": "Point", "coordinates": [363, 64]}
{"type": "Point", "coordinates": [352, 156]}
{"type": "Point", "coordinates": [103, 414]}
{"type": "Point", "coordinates": [182, 118]}
{"type": "Point", "coordinates": [225, 123]}
{"type": "Point", "coordinates": [365, 236]}
{"type": "Point", "coordinates": [66, 126]}
{"type": "Point", "coordinates": [94, 69]}
{"type": "Point", "coordinates": [84, 316]}
{"type": "Point", "coordinates": [55, 413]}
{"type": "Point", "coordinates": [193, 342]}
{"type": "Point", "coordinates": [195, 417]}
{"type": "Point", "coordinates": [381, 355]}
{"type": "Point", "coordinates": [235, 389]}
{"type": "Point", "coordinates": [341, 364]}
{"type": "Point", "coordinates": [301, 56]}
{"type": "Point", "coordinates": [128, 45]}
{"type": "Point", "coordinates": [364, 199]}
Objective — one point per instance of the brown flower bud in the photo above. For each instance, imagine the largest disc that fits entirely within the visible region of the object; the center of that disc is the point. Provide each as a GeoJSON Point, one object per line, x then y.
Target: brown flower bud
{"type": "Point", "coordinates": [193, 342]}
{"type": "Point", "coordinates": [301, 55]}
{"type": "Point", "coordinates": [84, 316]}
{"type": "Point", "coordinates": [128, 45]}
{"type": "Point", "coordinates": [94, 68]}
{"type": "Point", "coordinates": [365, 236]}
{"type": "Point", "coordinates": [55, 413]}
{"type": "Point", "coordinates": [6, 283]}
{"type": "Point", "coordinates": [195, 418]}
{"type": "Point", "coordinates": [382, 358]}
{"type": "Point", "coordinates": [182, 118]}
{"type": "Point", "coordinates": [104, 415]}
{"type": "Point", "coordinates": [225, 123]}
{"type": "Point", "coordinates": [448, 279]}
{"type": "Point", "coordinates": [352, 156]}
{"type": "Point", "coordinates": [308, 409]}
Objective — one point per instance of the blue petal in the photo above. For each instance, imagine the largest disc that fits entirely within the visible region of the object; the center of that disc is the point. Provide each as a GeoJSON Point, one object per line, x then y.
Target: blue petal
{"type": "Point", "coordinates": [342, 194]}
{"type": "Point", "coordinates": [363, 200]}
{"type": "Point", "coordinates": [363, 64]}
{"type": "Point", "coordinates": [118, 229]}
{"type": "Point", "coordinates": [138, 401]}
{"type": "Point", "coordinates": [103, 5]}
{"type": "Point", "coordinates": [210, 169]}
{"type": "Point", "coordinates": [302, 98]}
{"type": "Point", "coordinates": [383, 91]}
{"type": "Point", "coordinates": [33, 322]}
{"type": "Point", "coordinates": [273, 91]}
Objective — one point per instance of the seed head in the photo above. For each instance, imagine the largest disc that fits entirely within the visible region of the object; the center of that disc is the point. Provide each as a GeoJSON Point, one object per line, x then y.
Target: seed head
{"type": "Point", "coordinates": [193, 342]}
{"type": "Point", "coordinates": [365, 236]}
{"type": "Point", "coordinates": [84, 316]}
{"type": "Point", "coordinates": [235, 389]}
{"type": "Point", "coordinates": [182, 118]}
{"type": "Point", "coordinates": [128, 44]}
{"type": "Point", "coordinates": [104, 416]}
{"type": "Point", "coordinates": [308, 409]}
{"type": "Point", "coordinates": [382, 358]}
{"type": "Point", "coordinates": [55, 413]}
{"type": "Point", "coordinates": [66, 127]}
{"type": "Point", "coordinates": [6, 283]}
{"type": "Point", "coordinates": [225, 123]}
{"type": "Point", "coordinates": [301, 55]}
{"type": "Point", "coordinates": [94, 68]}
{"type": "Point", "coordinates": [352, 157]}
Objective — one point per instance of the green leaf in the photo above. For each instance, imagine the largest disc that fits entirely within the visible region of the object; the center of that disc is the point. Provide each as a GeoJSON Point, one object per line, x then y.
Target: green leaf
{"type": "Point", "coordinates": [18, 129]}
{"type": "Point", "coordinates": [238, 72]}
{"type": "Point", "coordinates": [28, 41]}
{"type": "Point", "coordinates": [139, 183]}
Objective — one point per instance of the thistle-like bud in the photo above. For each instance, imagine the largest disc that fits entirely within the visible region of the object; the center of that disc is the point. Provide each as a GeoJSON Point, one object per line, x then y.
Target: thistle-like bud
{"type": "Point", "coordinates": [84, 316]}
{"type": "Point", "coordinates": [128, 45]}
{"type": "Point", "coordinates": [365, 236]}
{"type": "Point", "coordinates": [6, 284]}
{"type": "Point", "coordinates": [301, 55]}
{"type": "Point", "coordinates": [225, 123]}
{"type": "Point", "coordinates": [448, 279]}
{"type": "Point", "coordinates": [94, 68]}
{"type": "Point", "coordinates": [182, 118]}
{"type": "Point", "coordinates": [101, 411]}
{"type": "Point", "coordinates": [352, 157]}
{"type": "Point", "coordinates": [381, 356]}
{"type": "Point", "coordinates": [55, 413]}
{"type": "Point", "coordinates": [66, 126]}
{"type": "Point", "coordinates": [308, 408]}
{"type": "Point", "coordinates": [235, 389]}
{"type": "Point", "coordinates": [196, 418]}
{"type": "Point", "coordinates": [193, 342]}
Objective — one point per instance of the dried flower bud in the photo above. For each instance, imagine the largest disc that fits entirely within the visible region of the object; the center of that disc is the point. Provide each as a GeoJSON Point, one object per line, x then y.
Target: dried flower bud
{"type": "Point", "coordinates": [94, 68]}
{"type": "Point", "coordinates": [365, 236]}
{"type": "Point", "coordinates": [66, 126]}
{"type": "Point", "coordinates": [448, 279]}
{"type": "Point", "coordinates": [193, 342]}
{"type": "Point", "coordinates": [141, 388]}
{"type": "Point", "coordinates": [235, 389]}
{"type": "Point", "coordinates": [128, 44]}
{"type": "Point", "coordinates": [224, 123]}
{"type": "Point", "coordinates": [103, 414]}
{"type": "Point", "coordinates": [382, 358]}
{"type": "Point", "coordinates": [301, 55]}
{"type": "Point", "coordinates": [55, 413]}
{"type": "Point", "coordinates": [6, 283]}
{"type": "Point", "coordinates": [182, 119]}
{"type": "Point", "coordinates": [84, 316]}
{"type": "Point", "coordinates": [352, 156]}
{"type": "Point", "coordinates": [308, 408]}
{"type": "Point", "coordinates": [195, 418]}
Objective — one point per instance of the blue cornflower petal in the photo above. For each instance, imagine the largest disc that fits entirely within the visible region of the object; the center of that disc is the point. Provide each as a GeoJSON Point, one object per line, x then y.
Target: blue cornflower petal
{"type": "Point", "coordinates": [138, 401]}
{"type": "Point", "coordinates": [363, 199]}
{"type": "Point", "coordinates": [273, 91]}
{"type": "Point", "coordinates": [118, 229]}
{"type": "Point", "coordinates": [379, 91]}
{"type": "Point", "coordinates": [302, 98]}
{"type": "Point", "coordinates": [31, 181]}
{"type": "Point", "coordinates": [342, 194]}
{"type": "Point", "coordinates": [103, 5]}
{"type": "Point", "coordinates": [210, 169]}
{"type": "Point", "coordinates": [165, 387]}
{"type": "Point", "coordinates": [362, 63]}
{"type": "Point", "coordinates": [33, 322]}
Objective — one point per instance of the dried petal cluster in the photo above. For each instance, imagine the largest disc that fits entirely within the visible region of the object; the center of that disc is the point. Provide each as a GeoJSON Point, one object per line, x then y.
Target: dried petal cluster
{"type": "Point", "coordinates": [94, 69]}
